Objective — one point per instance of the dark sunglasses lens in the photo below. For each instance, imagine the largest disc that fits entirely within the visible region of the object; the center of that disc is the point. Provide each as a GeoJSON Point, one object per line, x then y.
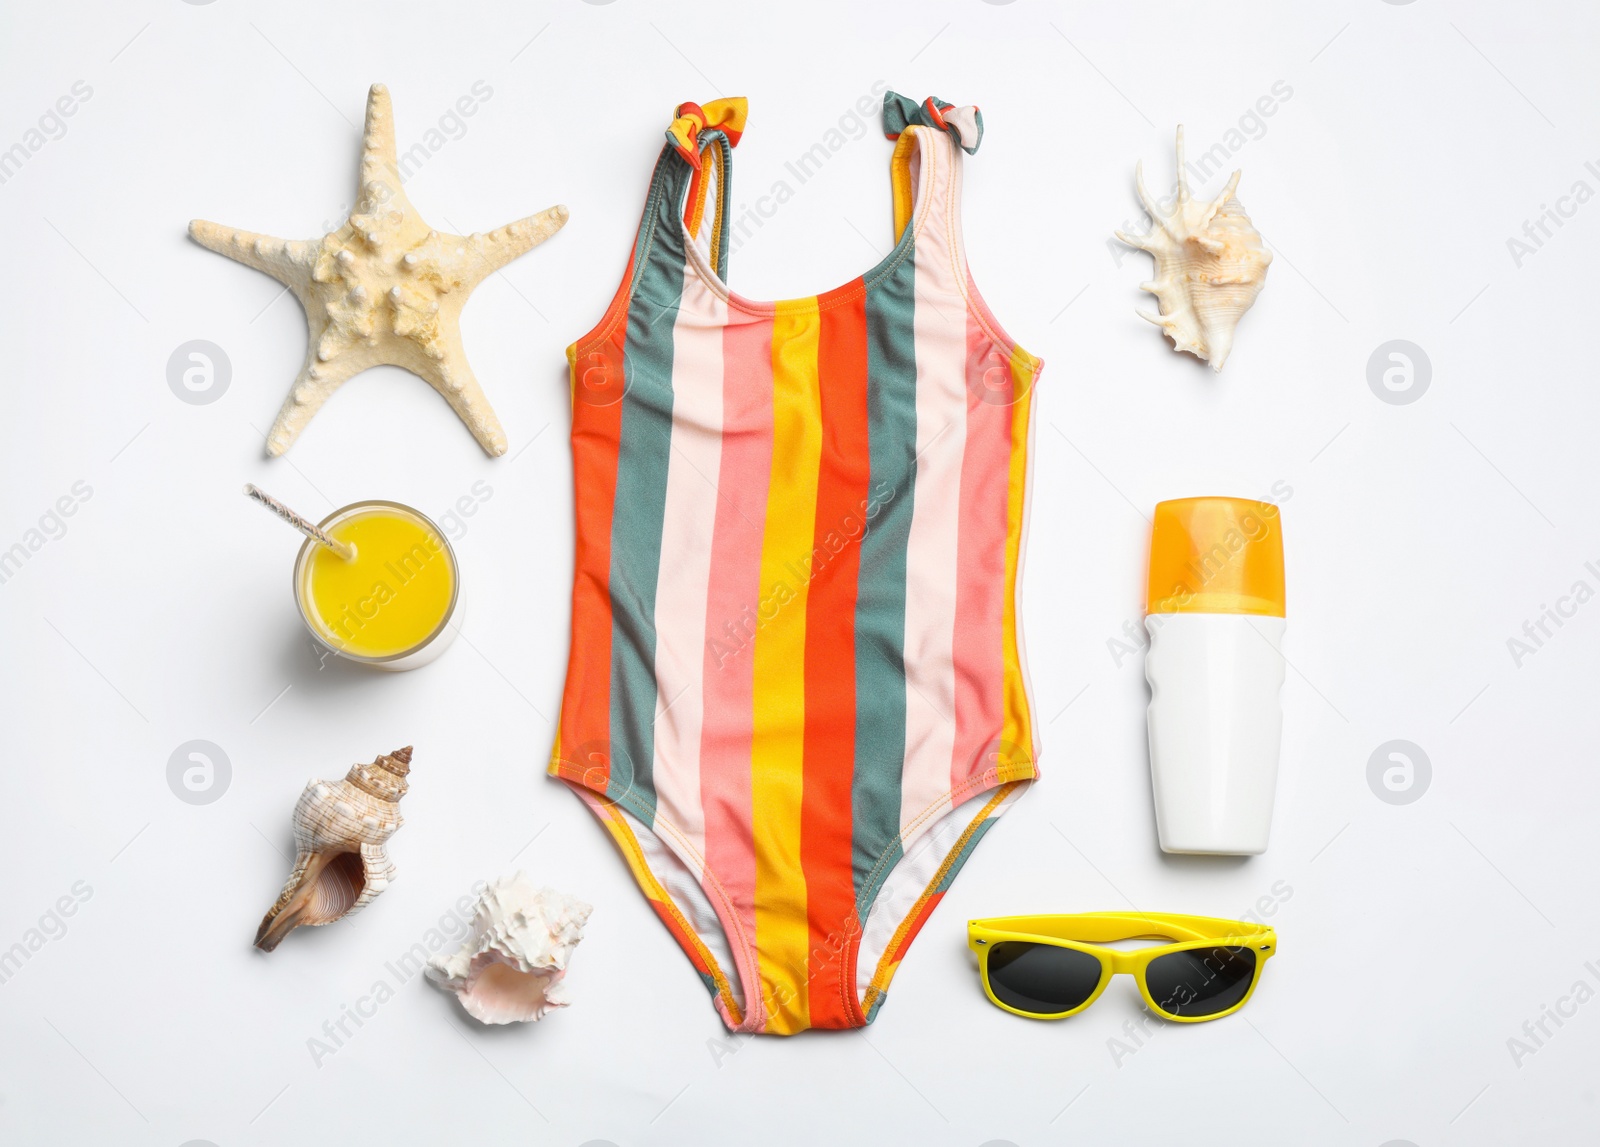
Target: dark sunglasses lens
{"type": "Point", "coordinates": [1041, 978]}
{"type": "Point", "coordinates": [1200, 981]}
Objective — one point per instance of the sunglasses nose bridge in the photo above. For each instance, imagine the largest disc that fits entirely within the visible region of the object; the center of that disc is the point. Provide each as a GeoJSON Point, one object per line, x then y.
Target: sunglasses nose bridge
{"type": "Point", "coordinates": [1122, 962]}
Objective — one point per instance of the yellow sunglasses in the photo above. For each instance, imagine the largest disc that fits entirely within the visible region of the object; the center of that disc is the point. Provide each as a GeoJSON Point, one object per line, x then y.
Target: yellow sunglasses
{"type": "Point", "coordinates": [1051, 967]}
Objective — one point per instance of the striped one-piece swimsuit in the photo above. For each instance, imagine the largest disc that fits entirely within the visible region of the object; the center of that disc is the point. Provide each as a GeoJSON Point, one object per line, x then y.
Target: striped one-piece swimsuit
{"type": "Point", "coordinates": [796, 694]}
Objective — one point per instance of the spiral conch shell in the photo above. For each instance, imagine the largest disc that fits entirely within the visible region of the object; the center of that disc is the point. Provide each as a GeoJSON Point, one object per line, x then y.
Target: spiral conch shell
{"type": "Point", "coordinates": [512, 967]}
{"type": "Point", "coordinates": [1210, 265]}
{"type": "Point", "coordinates": [340, 829]}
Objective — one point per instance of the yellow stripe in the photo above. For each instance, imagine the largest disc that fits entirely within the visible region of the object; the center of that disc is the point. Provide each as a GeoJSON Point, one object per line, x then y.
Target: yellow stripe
{"type": "Point", "coordinates": [778, 749]}
{"type": "Point", "coordinates": [1018, 727]}
{"type": "Point", "coordinates": [900, 180]}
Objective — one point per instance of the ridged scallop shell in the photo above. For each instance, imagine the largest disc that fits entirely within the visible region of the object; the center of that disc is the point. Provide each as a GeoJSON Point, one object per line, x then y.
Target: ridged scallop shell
{"type": "Point", "coordinates": [340, 829]}
{"type": "Point", "coordinates": [1210, 266]}
{"type": "Point", "coordinates": [512, 966]}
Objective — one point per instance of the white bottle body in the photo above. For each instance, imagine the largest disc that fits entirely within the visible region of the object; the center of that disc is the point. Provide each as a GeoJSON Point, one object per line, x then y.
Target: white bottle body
{"type": "Point", "coordinates": [1216, 725]}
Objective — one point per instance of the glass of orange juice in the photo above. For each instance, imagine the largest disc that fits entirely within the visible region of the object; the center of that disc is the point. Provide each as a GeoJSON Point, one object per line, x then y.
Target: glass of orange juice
{"type": "Point", "coordinates": [397, 604]}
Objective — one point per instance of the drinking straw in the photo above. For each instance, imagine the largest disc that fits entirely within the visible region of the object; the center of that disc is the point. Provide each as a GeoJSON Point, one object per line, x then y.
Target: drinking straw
{"type": "Point", "coordinates": [344, 549]}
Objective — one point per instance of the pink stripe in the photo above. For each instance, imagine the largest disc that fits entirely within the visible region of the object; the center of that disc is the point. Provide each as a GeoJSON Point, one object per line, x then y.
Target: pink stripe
{"type": "Point", "coordinates": [686, 548]}
{"type": "Point", "coordinates": [932, 546]}
{"type": "Point", "coordinates": [981, 560]}
{"type": "Point", "coordinates": [729, 674]}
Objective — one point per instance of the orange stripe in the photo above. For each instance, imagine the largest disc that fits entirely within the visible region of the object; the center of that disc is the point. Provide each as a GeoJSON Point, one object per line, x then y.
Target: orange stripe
{"type": "Point", "coordinates": [582, 742]}
{"type": "Point", "coordinates": [915, 922]}
{"type": "Point", "coordinates": [844, 475]}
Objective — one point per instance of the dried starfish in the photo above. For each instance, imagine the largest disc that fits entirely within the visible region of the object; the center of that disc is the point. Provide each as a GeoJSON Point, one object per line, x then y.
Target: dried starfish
{"type": "Point", "coordinates": [383, 288]}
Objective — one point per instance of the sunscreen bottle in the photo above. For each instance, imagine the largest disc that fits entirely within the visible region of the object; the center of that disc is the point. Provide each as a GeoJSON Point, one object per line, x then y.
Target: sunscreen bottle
{"type": "Point", "coordinates": [1215, 613]}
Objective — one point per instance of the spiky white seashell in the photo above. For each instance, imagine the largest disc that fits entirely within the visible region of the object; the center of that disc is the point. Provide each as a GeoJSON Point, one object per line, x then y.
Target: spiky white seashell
{"type": "Point", "coordinates": [512, 966]}
{"type": "Point", "coordinates": [1210, 265]}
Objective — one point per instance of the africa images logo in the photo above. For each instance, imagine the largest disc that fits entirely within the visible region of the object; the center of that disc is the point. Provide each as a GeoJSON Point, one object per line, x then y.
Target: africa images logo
{"type": "Point", "coordinates": [199, 772]}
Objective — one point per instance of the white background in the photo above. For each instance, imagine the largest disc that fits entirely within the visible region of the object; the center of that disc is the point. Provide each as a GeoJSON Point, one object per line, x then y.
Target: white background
{"type": "Point", "coordinates": [1416, 940]}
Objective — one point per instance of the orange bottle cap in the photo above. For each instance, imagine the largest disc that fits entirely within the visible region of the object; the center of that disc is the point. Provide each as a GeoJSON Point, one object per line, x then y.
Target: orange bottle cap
{"type": "Point", "coordinates": [1216, 555]}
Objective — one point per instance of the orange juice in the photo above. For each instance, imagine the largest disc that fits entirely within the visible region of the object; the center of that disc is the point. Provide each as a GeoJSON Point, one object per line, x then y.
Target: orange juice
{"type": "Point", "coordinates": [393, 600]}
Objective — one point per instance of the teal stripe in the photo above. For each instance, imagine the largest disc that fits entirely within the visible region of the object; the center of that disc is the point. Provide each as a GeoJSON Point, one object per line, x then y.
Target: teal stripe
{"type": "Point", "coordinates": [880, 623]}
{"type": "Point", "coordinates": [639, 511]}
{"type": "Point", "coordinates": [643, 455]}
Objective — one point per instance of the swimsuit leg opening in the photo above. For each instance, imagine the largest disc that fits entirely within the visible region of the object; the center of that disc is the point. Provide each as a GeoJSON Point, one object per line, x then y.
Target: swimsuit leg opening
{"type": "Point", "coordinates": [905, 899]}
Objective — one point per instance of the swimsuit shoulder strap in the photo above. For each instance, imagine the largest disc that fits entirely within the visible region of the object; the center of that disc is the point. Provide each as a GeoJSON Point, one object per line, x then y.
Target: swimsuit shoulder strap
{"type": "Point", "coordinates": [925, 172]}
{"type": "Point", "coordinates": [695, 171]}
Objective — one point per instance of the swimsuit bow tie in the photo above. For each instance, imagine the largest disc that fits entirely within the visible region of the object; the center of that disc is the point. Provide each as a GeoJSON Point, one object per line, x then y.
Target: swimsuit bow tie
{"type": "Point", "coordinates": [965, 124]}
{"type": "Point", "coordinates": [726, 115]}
